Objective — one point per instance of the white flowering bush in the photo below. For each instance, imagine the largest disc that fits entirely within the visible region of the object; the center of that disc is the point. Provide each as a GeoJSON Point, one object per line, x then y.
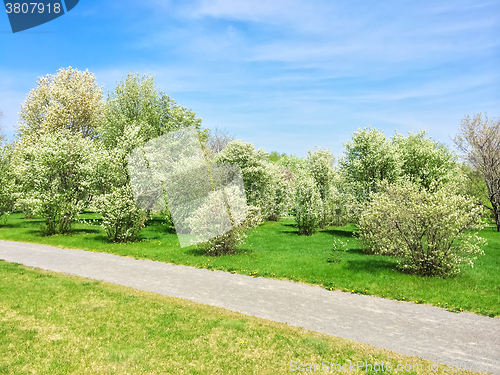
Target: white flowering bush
{"type": "Point", "coordinates": [208, 217]}
{"type": "Point", "coordinates": [431, 233]}
{"type": "Point", "coordinates": [339, 247]}
{"type": "Point", "coordinates": [308, 205]}
{"type": "Point", "coordinates": [54, 177]}
{"type": "Point", "coordinates": [122, 220]}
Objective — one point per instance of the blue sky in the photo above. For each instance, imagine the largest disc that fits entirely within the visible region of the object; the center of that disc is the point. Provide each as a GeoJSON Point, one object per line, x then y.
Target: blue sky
{"type": "Point", "coordinates": [285, 75]}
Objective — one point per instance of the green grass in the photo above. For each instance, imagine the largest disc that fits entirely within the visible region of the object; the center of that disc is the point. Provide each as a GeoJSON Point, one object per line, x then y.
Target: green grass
{"type": "Point", "coordinates": [276, 250]}
{"type": "Point", "coordinates": [55, 324]}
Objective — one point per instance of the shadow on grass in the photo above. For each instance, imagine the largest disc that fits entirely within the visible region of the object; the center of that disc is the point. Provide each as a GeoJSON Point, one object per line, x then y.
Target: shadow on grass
{"type": "Point", "coordinates": [84, 230]}
{"type": "Point", "coordinates": [294, 232]}
{"type": "Point", "coordinates": [338, 233]}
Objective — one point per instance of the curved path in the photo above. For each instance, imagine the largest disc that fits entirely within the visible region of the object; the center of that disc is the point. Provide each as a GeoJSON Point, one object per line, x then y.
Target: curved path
{"type": "Point", "coordinates": [412, 329]}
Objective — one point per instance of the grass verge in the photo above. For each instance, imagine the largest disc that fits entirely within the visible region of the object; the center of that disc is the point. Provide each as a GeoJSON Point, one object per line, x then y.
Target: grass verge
{"type": "Point", "coordinates": [56, 324]}
{"type": "Point", "coordinates": [275, 250]}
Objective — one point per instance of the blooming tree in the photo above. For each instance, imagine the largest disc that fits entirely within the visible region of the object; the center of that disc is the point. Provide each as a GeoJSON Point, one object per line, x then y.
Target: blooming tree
{"type": "Point", "coordinates": [69, 100]}
{"type": "Point", "coordinates": [55, 177]}
{"type": "Point", "coordinates": [425, 161]}
{"type": "Point", "coordinates": [369, 159]}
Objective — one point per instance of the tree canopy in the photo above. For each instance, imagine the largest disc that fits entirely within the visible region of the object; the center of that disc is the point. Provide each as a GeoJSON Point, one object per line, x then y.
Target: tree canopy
{"type": "Point", "coordinates": [69, 100]}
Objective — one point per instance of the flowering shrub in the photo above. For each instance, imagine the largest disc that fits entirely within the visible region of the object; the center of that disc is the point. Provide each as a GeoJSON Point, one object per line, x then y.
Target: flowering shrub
{"type": "Point", "coordinates": [308, 205]}
{"type": "Point", "coordinates": [228, 241]}
{"type": "Point", "coordinates": [122, 220]}
{"type": "Point", "coordinates": [54, 177]}
{"type": "Point", "coordinates": [339, 247]}
{"type": "Point", "coordinates": [430, 232]}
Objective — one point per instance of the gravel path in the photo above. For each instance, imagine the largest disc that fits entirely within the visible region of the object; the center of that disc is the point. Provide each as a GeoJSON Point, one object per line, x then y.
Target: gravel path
{"type": "Point", "coordinates": [417, 330]}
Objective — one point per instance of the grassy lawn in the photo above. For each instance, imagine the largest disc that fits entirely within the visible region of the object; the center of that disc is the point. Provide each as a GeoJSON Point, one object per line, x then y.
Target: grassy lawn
{"type": "Point", "coordinates": [276, 250]}
{"type": "Point", "coordinates": [56, 324]}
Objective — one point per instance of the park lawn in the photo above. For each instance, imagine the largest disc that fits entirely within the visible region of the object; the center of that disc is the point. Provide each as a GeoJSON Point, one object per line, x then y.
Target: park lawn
{"type": "Point", "coordinates": [56, 324]}
{"type": "Point", "coordinates": [275, 250]}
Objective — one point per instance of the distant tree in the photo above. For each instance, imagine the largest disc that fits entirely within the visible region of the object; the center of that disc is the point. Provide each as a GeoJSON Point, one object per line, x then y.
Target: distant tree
{"type": "Point", "coordinates": [69, 100]}
{"type": "Point", "coordinates": [275, 156]}
{"type": "Point", "coordinates": [475, 186]}
{"type": "Point", "coordinates": [479, 141]}
{"type": "Point", "coordinates": [218, 140]}
{"type": "Point", "coordinates": [291, 162]}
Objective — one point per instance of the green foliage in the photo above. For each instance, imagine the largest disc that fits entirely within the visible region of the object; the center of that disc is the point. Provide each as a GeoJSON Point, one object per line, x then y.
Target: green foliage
{"type": "Point", "coordinates": [122, 220]}
{"type": "Point", "coordinates": [275, 156]}
{"type": "Point", "coordinates": [320, 166]}
{"type": "Point", "coordinates": [308, 205]}
{"type": "Point", "coordinates": [135, 113]}
{"type": "Point", "coordinates": [292, 162]}
{"type": "Point", "coordinates": [136, 102]}
{"type": "Point", "coordinates": [55, 177]}
{"type": "Point", "coordinates": [340, 206]}
{"type": "Point", "coordinates": [428, 231]}
{"type": "Point", "coordinates": [474, 185]}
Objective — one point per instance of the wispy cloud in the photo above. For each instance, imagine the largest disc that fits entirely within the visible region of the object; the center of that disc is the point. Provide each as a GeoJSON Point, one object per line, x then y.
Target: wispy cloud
{"type": "Point", "coordinates": [286, 74]}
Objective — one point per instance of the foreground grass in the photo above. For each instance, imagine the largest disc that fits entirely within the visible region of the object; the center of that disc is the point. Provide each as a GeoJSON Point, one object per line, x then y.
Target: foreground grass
{"type": "Point", "coordinates": [55, 324]}
{"type": "Point", "coordinates": [276, 250]}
